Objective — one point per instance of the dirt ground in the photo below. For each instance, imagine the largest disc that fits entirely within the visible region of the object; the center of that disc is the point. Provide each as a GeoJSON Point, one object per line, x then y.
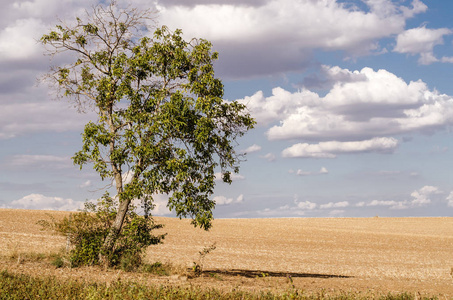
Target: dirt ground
{"type": "Point", "coordinates": [357, 255]}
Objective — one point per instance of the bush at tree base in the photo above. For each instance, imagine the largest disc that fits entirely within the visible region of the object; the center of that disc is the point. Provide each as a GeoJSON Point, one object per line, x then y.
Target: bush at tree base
{"type": "Point", "coordinates": [86, 231]}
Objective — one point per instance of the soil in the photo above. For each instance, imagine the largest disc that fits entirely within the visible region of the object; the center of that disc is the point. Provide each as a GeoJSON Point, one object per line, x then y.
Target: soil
{"type": "Point", "coordinates": [369, 256]}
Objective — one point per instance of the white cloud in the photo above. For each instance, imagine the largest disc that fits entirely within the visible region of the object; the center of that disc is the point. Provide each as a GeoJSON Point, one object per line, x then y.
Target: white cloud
{"type": "Point", "coordinates": [417, 6]}
{"type": "Point", "coordinates": [38, 201]}
{"type": "Point", "coordinates": [306, 205]}
{"type": "Point", "coordinates": [423, 195]}
{"type": "Point", "coordinates": [127, 177]}
{"type": "Point", "coordinates": [390, 203]}
{"type": "Point", "coordinates": [19, 40]}
{"type": "Point", "coordinates": [421, 41]}
{"type": "Point", "coordinates": [160, 202]}
{"type": "Point", "coordinates": [47, 116]}
{"type": "Point", "coordinates": [252, 149]}
{"type": "Point", "coordinates": [382, 203]}
{"type": "Point", "coordinates": [334, 205]}
{"type": "Point", "coordinates": [233, 176]}
{"type": "Point", "coordinates": [300, 172]}
{"type": "Point", "coordinates": [269, 157]}
{"type": "Point", "coordinates": [25, 161]}
{"type": "Point", "coordinates": [375, 104]}
{"type": "Point", "coordinates": [222, 200]}
{"type": "Point", "coordinates": [160, 205]}
{"type": "Point", "coordinates": [450, 199]}
{"type": "Point", "coordinates": [447, 59]}
{"type": "Point", "coordinates": [331, 149]}
{"type": "Point", "coordinates": [295, 27]}
{"type": "Point", "coordinates": [284, 211]}
{"type": "Point", "coordinates": [50, 8]}
{"type": "Point", "coordinates": [86, 184]}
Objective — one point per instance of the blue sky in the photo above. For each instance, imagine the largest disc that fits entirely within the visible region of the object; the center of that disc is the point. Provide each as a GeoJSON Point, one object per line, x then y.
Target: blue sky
{"type": "Point", "coordinates": [353, 99]}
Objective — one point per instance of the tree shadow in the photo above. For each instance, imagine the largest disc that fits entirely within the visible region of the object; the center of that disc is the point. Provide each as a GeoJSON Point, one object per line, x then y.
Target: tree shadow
{"type": "Point", "coordinates": [259, 273]}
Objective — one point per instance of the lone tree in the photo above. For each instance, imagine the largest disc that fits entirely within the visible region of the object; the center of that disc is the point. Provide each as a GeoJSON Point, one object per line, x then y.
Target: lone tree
{"type": "Point", "coordinates": [161, 122]}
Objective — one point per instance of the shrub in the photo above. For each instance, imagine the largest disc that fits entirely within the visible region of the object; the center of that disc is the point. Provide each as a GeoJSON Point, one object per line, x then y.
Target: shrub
{"type": "Point", "coordinates": [87, 230]}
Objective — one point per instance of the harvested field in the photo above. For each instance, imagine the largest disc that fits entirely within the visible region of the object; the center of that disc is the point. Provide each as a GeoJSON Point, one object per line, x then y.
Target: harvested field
{"type": "Point", "coordinates": [360, 255]}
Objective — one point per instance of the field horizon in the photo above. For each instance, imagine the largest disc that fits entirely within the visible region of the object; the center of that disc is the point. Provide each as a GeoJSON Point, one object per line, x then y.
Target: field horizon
{"type": "Point", "coordinates": [363, 255]}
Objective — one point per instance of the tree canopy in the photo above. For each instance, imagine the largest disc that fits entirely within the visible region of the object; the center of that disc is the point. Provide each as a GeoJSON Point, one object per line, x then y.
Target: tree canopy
{"type": "Point", "coordinates": [162, 119]}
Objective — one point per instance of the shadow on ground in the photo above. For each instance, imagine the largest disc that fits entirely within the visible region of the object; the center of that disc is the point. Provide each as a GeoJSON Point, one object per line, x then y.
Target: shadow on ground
{"type": "Point", "coordinates": [258, 273]}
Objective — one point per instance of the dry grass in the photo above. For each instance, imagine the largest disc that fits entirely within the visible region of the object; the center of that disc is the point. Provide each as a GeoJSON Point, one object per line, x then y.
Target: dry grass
{"type": "Point", "coordinates": [352, 254]}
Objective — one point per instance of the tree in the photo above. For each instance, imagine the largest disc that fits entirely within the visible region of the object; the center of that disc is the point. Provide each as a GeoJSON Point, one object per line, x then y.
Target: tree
{"type": "Point", "coordinates": [161, 117]}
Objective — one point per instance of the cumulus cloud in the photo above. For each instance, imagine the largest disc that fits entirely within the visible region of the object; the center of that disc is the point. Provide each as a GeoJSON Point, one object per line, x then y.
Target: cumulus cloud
{"type": "Point", "coordinates": [421, 41]}
{"type": "Point", "coordinates": [306, 205]}
{"type": "Point", "coordinates": [331, 149]}
{"type": "Point", "coordinates": [450, 199]}
{"type": "Point", "coordinates": [328, 76]}
{"type": "Point", "coordinates": [284, 210]}
{"type": "Point", "coordinates": [160, 202]}
{"type": "Point", "coordinates": [390, 203]}
{"type": "Point", "coordinates": [233, 176]}
{"type": "Point", "coordinates": [38, 201]}
{"type": "Point", "coordinates": [422, 196]}
{"type": "Point", "coordinates": [329, 205]}
{"type": "Point", "coordinates": [253, 148]}
{"type": "Point", "coordinates": [360, 113]}
{"type": "Point", "coordinates": [19, 40]}
{"type": "Point", "coordinates": [86, 184]}
{"type": "Point", "coordinates": [237, 29]}
{"type": "Point", "coordinates": [269, 157]}
{"type": "Point", "coordinates": [300, 172]}
{"type": "Point", "coordinates": [127, 177]}
{"type": "Point", "coordinates": [22, 23]}
{"type": "Point", "coordinates": [222, 200]}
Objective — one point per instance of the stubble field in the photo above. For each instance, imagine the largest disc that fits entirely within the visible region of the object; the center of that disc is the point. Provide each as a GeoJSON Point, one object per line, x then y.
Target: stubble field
{"type": "Point", "coordinates": [358, 255]}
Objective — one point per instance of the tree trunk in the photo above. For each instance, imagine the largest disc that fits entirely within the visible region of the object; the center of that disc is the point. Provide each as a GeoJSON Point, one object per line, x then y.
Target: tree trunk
{"type": "Point", "coordinates": [110, 240]}
{"type": "Point", "coordinates": [109, 243]}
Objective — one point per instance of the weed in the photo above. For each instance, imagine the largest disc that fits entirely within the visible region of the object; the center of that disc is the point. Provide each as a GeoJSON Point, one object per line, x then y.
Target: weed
{"type": "Point", "coordinates": [58, 262]}
{"type": "Point", "coordinates": [198, 265]}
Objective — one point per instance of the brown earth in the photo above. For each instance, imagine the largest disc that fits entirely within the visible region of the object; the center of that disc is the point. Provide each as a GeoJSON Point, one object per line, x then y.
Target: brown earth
{"type": "Point", "coordinates": [367, 256]}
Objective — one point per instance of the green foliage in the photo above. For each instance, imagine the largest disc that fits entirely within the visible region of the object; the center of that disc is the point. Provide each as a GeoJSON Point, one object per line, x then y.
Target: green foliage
{"type": "Point", "coordinates": [161, 116]}
{"type": "Point", "coordinates": [88, 229]}
{"type": "Point", "coordinates": [160, 107]}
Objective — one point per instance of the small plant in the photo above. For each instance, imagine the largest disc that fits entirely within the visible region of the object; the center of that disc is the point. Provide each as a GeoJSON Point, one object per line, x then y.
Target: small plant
{"type": "Point", "coordinates": [58, 262]}
{"type": "Point", "coordinates": [198, 265]}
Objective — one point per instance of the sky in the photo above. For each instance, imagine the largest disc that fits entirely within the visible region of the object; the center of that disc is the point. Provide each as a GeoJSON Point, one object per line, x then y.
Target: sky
{"type": "Point", "coordinates": [353, 102]}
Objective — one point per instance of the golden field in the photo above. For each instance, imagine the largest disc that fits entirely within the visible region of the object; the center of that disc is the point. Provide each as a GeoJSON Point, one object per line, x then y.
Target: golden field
{"type": "Point", "coordinates": [361, 255]}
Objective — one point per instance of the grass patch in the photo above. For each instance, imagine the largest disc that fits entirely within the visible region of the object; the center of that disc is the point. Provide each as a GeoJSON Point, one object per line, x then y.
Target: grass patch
{"type": "Point", "coordinates": [157, 268]}
{"type": "Point", "coordinates": [20, 286]}
{"type": "Point", "coordinates": [22, 257]}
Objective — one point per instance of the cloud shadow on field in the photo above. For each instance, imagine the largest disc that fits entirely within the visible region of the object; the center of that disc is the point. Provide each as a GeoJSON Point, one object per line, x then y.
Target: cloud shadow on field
{"type": "Point", "coordinates": [259, 273]}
